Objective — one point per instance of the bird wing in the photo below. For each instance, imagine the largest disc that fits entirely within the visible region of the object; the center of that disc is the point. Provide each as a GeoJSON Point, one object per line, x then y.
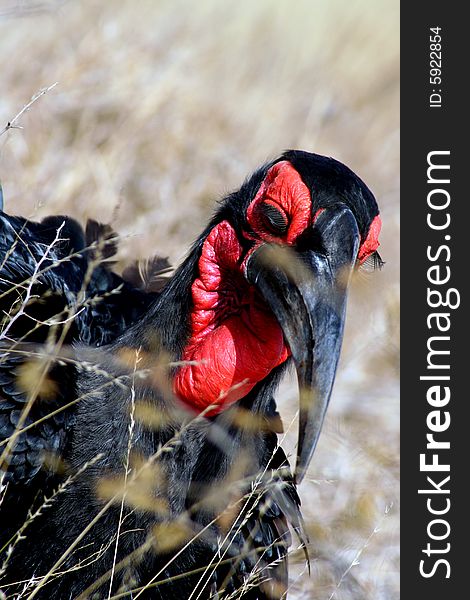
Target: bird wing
{"type": "Point", "coordinates": [55, 291]}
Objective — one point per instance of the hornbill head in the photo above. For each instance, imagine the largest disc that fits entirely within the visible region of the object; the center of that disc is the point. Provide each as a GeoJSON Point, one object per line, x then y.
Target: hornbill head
{"type": "Point", "coordinates": [270, 284]}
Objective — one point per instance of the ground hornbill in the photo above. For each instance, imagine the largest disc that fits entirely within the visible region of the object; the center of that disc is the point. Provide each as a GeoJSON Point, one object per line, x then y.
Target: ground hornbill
{"type": "Point", "coordinates": [140, 450]}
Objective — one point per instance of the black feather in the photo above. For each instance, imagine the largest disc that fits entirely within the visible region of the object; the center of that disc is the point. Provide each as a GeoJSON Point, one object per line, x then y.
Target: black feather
{"type": "Point", "coordinates": [101, 239]}
{"type": "Point", "coordinates": [148, 275]}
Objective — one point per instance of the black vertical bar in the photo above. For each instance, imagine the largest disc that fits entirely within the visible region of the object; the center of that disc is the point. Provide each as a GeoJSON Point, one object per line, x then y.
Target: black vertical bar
{"type": "Point", "coordinates": [434, 118]}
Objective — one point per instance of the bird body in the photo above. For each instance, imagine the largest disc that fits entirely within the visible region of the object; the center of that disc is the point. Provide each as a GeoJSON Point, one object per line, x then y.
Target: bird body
{"type": "Point", "coordinates": [171, 482]}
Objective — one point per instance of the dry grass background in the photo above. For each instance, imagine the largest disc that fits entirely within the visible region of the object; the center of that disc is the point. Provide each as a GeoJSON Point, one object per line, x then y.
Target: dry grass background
{"type": "Point", "coordinates": [163, 106]}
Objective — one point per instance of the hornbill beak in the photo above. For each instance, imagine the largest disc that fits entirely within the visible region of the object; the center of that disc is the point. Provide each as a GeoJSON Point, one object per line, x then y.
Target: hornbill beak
{"type": "Point", "coordinates": [306, 290]}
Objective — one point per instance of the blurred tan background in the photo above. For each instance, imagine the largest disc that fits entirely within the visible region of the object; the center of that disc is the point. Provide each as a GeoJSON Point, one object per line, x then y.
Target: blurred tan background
{"type": "Point", "coordinates": [164, 106]}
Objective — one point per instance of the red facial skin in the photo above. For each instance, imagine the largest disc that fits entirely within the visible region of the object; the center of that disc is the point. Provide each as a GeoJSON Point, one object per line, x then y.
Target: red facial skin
{"type": "Point", "coordinates": [284, 189]}
{"type": "Point", "coordinates": [371, 243]}
{"type": "Point", "coordinates": [235, 339]}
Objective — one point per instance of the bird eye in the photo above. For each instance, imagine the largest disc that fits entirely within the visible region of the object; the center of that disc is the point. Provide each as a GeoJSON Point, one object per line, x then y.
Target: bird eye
{"type": "Point", "coordinates": [274, 219]}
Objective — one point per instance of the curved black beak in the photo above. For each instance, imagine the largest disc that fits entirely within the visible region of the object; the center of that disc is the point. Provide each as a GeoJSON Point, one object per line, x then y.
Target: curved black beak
{"type": "Point", "coordinates": [307, 289]}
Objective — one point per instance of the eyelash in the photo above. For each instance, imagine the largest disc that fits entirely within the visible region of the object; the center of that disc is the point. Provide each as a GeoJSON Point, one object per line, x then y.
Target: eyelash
{"type": "Point", "coordinates": [274, 219]}
{"type": "Point", "coordinates": [372, 263]}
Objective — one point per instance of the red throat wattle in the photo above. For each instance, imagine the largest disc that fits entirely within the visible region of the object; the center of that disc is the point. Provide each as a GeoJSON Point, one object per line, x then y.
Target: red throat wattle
{"type": "Point", "coordinates": [235, 339]}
